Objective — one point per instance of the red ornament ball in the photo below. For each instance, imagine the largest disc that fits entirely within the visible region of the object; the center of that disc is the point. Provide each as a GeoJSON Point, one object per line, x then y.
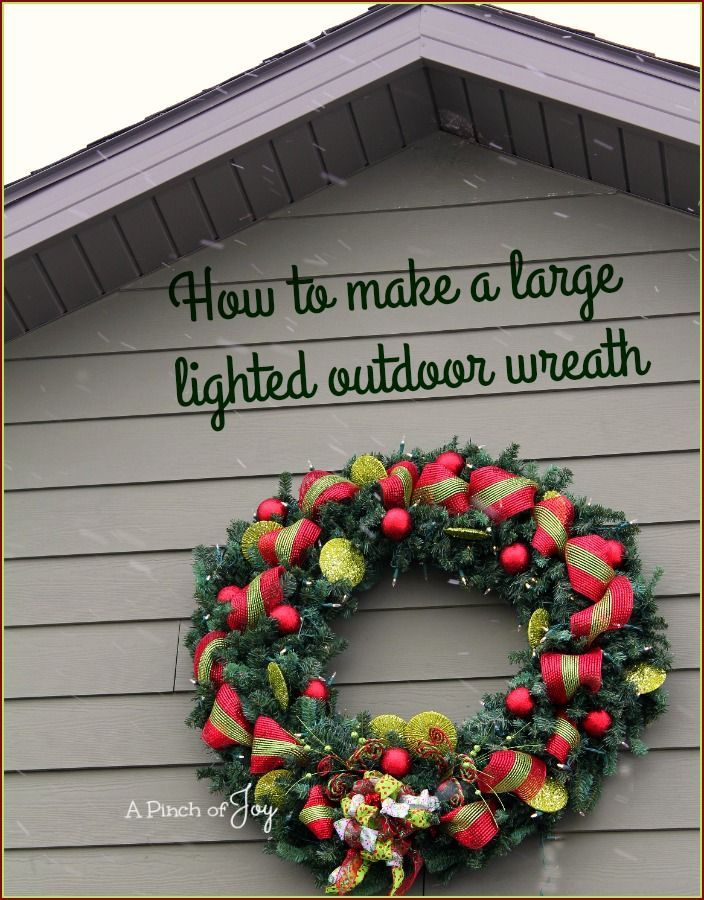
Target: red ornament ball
{"type": "Point", "coordinates": [615, 553]}
{"type": "Point", "coordinates": [515, 558]}
{"type": "Point", "coordinates": [597, 723]}
{"type": "Point", "coordinates": [287, 618]}
{"type": "Point", "coordinates": [452, 461]}
{"type": "Point", "coordinates": [396, 761]}
{"type": "Point", "coordinates": [267, 509]}
{"type": "Point", "coordinates": [317, 689]}
{"type": "Point", "coordinates": [396, 524]}
{"type": "Point", "coordinates": [519, 702]}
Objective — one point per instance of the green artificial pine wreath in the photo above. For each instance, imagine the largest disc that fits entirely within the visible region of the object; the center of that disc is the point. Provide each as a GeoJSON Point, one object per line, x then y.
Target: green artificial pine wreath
{"type": "Point", "coordinates": [363, 802]}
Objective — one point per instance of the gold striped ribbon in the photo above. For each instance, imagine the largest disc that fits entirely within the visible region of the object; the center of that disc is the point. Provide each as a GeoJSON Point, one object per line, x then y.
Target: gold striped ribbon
{"type": "Point", "coordinates": [582, 559]}
{"type": "Point", "coordinates": [501, 489]}
{"type": "Point", "coordinates": [569, 666]}
{"type": "Point", "coordinates": [255, 602]}
{"type": "Point", "coordinates": [310, 813]}
{"type": "Point", "coordinates": [601, 616]}
{"type": "Point", "coordinates": [271, 747]}
{"type": "Point", "coordinates": [567, 731]}
{"type": "Point", "coordinates": [520, 770]}
{"type": "Point", "coordinates": [317, 488]}
{"type": "Point", "coordinates": [227, 725]}
{"type": "Point", "coordinates": [406, 480]}
{"type": "Point", "coordinates": [548, 521]}
{"type": "Point", "coordinates": [443, 490]}
{"type": "Point", "coordinates": [466, 817]}
{"type": "Point", "coordinates": [207, 657]}
{"type": "Point", "coordinates": [283, 542]}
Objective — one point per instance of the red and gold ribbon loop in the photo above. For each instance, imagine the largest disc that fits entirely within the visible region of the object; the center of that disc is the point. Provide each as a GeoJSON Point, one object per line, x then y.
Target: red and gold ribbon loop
{"type": "Point", "coordinates": [318, 814]}
{"type": "Point", "coordinates": [500, 494]}
{"type": "Point", "coordinates": [288, 546]}
{"type": "Point", "coordinates": [512, 771]}
{"type": "Point", "coordinates": [564, 739]}
{"type": "Point", "coordinates": [588, 568]}
{"type": "Point", "coordinates": [553, 516]}
{"type": "Point", "coordinates": [439, 485]}
{"type": "Point", "coordinates": [272, 745]}
{"type": "Point", "coordinates": [207, 667]}
{"type": "Point", "coordinates": [226, 723]}
{"type": "Point", "coordinates": [319, 488]}
{"type": "Point", "coordinates": [608, 614]}
{"type": "Point", "coordinates": [522, 774]}
{"type": "Point", "coordinates": [256, 600]}
{"type": "Point", "coordinates": [471, 825]}
{"type": "Point", "coordinates": [565, 673]}
{"type": "Point", "coordinates": [397, 488]}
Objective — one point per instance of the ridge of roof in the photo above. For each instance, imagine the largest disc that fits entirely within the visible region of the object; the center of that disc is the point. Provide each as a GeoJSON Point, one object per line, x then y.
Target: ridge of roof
{"type": "Point", "coordinates": [275, 66]}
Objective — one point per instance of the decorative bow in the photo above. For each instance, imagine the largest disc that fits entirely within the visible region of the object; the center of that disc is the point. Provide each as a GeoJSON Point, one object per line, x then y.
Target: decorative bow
{"type": "Point", "coordinates": [380, 815]}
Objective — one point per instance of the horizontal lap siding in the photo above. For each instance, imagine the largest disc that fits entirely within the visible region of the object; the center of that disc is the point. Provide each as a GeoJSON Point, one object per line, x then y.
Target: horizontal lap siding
{"type": "Point", "coordinates": [620, 863]}
{"type": "Point", "coordinates": [150, 586]}
{"type": "Point", "coordinates": [163, 448]}
{"type": "Point", "coordinates": [653, 284]}
{"type": "Point", "coordinates": [50, 809]}
{"type": "Point", "coordinates": [110, 486]}
{"type": "Point", "coordinates": [147, 730]}
{"type": "Point", "coordinates": [122, 657]}
{"type": "Point", "coordinates": [85, 388]}
{"type": "Point", "coordinates": [179, 515]}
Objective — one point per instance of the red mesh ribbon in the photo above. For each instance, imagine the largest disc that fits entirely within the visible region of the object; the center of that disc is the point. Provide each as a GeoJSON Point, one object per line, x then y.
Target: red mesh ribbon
{"type": "Point", "coordinates": [226, 724]}
{"type": "Point", "coordinates": [288, 546]}
{"type": "Point", "coordinates": [611, 612]}
{"type": "Point", "coordinates": [512, 771]}
{"type": "Point", "coordinates": [438, 485]}
{"type": "Point", "coordinates": [206, 665]}
{"type": "Point", "coordinates": [271, 745]}
{"type": "Point", "coordinates": [256, 600]}
{"type": "Point", "coordinates": [318, 814]}
{"type": "Point", "coordinates": [564, 739]}
{"type": "Point", "coordinates": [397, 488]}
{"type": "Point", "coordinates": [472, 825]}
{"type": "Point", "coordinates": [564, 673]}
{"type": "Point", "coordinates": [318, 488]}
{"type": "Point", "coordinates": [500, 494]}
{"type": "Point", "coordinates": [587, 567]}
{"type": "Point", "coordinates": [553, 518]}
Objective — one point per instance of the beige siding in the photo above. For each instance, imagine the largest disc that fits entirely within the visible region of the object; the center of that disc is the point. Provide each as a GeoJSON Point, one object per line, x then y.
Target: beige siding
{"type": "Point", "coordinates": [110, 485]}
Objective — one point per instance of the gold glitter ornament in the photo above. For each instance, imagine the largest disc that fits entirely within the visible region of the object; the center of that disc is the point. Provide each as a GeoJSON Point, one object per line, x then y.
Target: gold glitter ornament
{"type": "Point", "coordinates": [339, 561]}
{"type": "Point", "coordinates": [277, 683]}
{"type": "Point", "coordinates": [551, 797]}
{"type": "Point", "coordinates": [467, 534]}
{"type": "Point", "coordinates": [250, 538]}
{"type": "Point", "coordinates": [270, 789]}
{"type": "Point", "coordinates": [380, 726]}
{"type": "Point", "coordinates": [430, 727]}
{"type": "Point", "coordinates": [548, 495]}
{"type": "Point", "coordinates": [366, 470]}
{"type": "Point", "coordinates": [538, 624]}
{"type": "Point", "coordinates": [645, 678]}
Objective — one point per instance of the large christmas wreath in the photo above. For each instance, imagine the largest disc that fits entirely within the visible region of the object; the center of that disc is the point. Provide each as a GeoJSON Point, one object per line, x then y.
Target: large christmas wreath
{"type": "Point", "coordinates": [367, 802]}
